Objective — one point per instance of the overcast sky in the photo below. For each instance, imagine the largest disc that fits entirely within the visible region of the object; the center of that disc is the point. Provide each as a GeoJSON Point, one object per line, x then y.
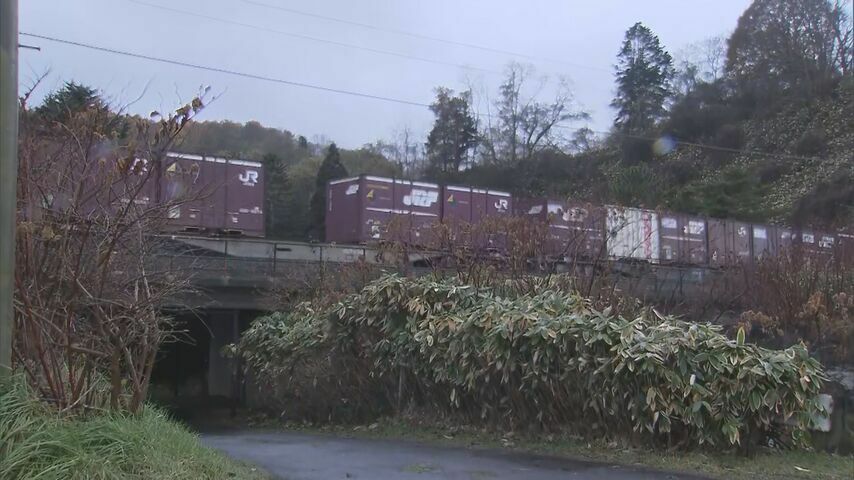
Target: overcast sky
{"type": "Point", "coordinates": [576, 39]}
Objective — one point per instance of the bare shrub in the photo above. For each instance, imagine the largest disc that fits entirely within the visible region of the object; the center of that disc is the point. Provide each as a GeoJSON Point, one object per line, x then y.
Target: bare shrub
{"type": "Point", "coordinates": [88, 296]}
{"type": "Point", "coordinates": [802, 296]}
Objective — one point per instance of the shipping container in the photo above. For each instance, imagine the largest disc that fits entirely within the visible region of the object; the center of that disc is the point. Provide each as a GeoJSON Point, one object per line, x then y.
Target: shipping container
{"type": "Point", "coordinates": [213, 195]}
{"type": "Point", "coordinates": [783, 238]}
{"type": "Point", "coordinates": [633, 233]}
{"type": "Point", "coordinates": [466, 213]}
{"type": "Point", "coordinates": [682, 239]}
{"type": "Point", "coordinates": [370, 209]}
{"type": "Point", "coordinates": [729, 242]}
{"type": "Point", "coordinates": [845, 249]}
{"type": "Point", "coordinates": [765, 244]}
{"type": "Point", "coordinates": [574, 230]}
{"type": "Point", "coordinates": [815, 244]}
{"type": "Point", "coordinates": [244, 198]}
{"type": "Point", "coordinates": [458, 214]}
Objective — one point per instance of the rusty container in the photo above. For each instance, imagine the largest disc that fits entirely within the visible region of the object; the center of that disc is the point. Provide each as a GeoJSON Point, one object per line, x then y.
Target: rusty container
{"type": "Point", "coordinates": [682, 239]}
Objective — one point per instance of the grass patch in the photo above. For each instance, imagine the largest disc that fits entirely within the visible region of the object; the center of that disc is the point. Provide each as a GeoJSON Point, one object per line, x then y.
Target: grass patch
{"type": "Point", "coordinates": [38, 444]}
{"type": "Point", "coordinates": [766, 464]}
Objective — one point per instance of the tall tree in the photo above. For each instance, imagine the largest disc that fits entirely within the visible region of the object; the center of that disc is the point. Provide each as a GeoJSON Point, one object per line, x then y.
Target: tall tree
{"type": "Point", "coordinates": [61, 105]}
{"type": "Point", "coordinates": [276, 196]}
{"type": "Point", "coordinates": [791, 44]}
{"type": "Point", "coordinates": [644, 71]}
{"type": "Point", "coordinates": [521, 126]}
{"type": "Point", "coordinates": [454, 131]}
{"type": "Point", "coordinates": [330, 169]}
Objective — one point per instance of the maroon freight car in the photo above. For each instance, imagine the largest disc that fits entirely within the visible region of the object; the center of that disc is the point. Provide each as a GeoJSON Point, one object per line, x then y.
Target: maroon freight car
{"type": "Point", "coordinates": [369, 209]}
{"type": "Point", "coordinates": [814, 244]}
{"type": "Point", "coordinates": [763, 238]}
{"type": "Point", "coordinates": [575, 230]}
{"type": "Point", "coordinates": [729, 242]}
{"type": "Point", "coordinates": [682, 239]}
{"type": "Point", "coordinates": [224, 196]}
{"type": "Point", "coordinates": [845, 248]}
{"type": "Point", "coordinates": [465, 213]}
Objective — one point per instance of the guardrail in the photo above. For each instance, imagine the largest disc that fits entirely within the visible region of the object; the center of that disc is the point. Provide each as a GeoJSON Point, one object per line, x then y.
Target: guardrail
{"type": "Point", "coordinates": [254, 258]}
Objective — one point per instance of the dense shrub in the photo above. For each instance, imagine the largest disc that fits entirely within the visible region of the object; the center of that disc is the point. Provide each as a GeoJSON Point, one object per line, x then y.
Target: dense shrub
{"type": "Point", "coordinates": [500, 355]}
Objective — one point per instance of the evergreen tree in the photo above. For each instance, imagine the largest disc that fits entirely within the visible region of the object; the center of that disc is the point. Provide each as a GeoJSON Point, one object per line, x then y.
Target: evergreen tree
{"type": "Point", "coordinates": [330, 169]}
{"type": "Point", "coordinates": [644, 70]}
{"type": "Point", "coordinates": [454, 132]}
{"type": "Point", "coordinates": [69, 100]}
{"type": "Point", "coordinates": [276, 196]}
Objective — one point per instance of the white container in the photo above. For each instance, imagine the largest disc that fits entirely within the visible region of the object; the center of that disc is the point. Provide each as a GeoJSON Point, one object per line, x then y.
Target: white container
{"type": "Point", "coordinates": [632, 233]}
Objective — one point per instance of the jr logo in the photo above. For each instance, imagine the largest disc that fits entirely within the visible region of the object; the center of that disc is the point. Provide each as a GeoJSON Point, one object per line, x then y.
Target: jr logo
{"type": "Point", "coordinates": [249, 178]}
{"type": "Point", "coordinates": [502, 205]}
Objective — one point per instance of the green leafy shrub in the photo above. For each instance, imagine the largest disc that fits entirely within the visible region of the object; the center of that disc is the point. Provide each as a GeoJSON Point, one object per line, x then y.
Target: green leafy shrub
{"type": "Point", "coordinates": [504, 355]}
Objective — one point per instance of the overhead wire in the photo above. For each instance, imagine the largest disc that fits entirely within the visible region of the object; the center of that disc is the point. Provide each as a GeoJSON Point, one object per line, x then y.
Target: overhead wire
{"type": "Point", "coordinates": [367, 95]}
{"type": "Point", "coordinates": [223, 70]}
{"type": "Point", "coordinates": [420, 36]}
{"type": "Point", "coordinates": [311, 38]}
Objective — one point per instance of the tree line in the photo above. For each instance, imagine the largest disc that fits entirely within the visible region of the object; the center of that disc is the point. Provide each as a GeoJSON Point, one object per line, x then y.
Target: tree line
{"type": "Point", "coordinates": [754, 126]}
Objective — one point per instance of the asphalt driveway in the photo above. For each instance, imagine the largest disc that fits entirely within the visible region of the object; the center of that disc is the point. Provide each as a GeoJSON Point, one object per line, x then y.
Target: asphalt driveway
{"type": "Point", "coordinates": [300, 456]}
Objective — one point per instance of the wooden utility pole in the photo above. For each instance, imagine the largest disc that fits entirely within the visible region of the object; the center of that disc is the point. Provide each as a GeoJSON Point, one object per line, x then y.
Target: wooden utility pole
{"type": "Point", "coordinates": [8, 172]}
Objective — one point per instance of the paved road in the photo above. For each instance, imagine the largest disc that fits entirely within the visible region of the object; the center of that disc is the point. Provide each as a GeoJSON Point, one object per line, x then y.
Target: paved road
{"type": "Point", "coordinates": [298, 456]}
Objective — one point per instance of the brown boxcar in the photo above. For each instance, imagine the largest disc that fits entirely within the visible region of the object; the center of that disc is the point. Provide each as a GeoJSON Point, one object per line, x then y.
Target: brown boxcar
{"type": "Point", "coordinates": [369, 209]}
{"type": "Point", "coordinates": [764, 241]}
{"type": "Point", "coordinates": [682, 239]}
{"type": "Point", "coordinates": [467, 211]}
{"type": "Point", "coordinates": [574, 230]}
{"type": "Point", "coordinates": [729, 242]}
{"type": "Point", "coordinates": [457, 213]}
{"type": "Point", "coordinates": [783, 241]}
{"type": "Point", "coordinates": [815, 244]}
{"type": "Point", "coordinates": [214, 195]}
{"type": "Point", "coordinates": [845, 249]}
{"type": "Point", "coordinates": [244, 198]}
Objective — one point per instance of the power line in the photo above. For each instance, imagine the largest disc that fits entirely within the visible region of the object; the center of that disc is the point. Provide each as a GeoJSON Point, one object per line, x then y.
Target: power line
{"type": "Point", "coordinates": [421, 36]}
{"type": "Point", "coordinates": [310, 38]}
{"type": "Point", "coordinates": [225, 71]}
{"type": "Point", "coordinates": [703, 145]}
{"type": "Point", "coordinates": [370, 96]}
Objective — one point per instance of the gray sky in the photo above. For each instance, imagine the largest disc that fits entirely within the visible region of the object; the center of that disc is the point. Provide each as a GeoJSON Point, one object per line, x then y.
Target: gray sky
{"type": "Point", "coordinates": [584, 36]}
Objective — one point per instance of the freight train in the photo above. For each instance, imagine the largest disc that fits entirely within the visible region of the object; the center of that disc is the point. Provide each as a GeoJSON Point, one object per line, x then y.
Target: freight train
{"type": "Point", "coordinates": [362, 210]}
{"type": "Point", "coordinates": [226, 196]}
{"type": "Point", "coordinates": [199, 194]}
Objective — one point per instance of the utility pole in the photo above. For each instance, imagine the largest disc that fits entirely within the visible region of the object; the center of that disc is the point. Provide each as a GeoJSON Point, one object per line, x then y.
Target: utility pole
{"type": "Point", "coordinates": [8, 172]}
